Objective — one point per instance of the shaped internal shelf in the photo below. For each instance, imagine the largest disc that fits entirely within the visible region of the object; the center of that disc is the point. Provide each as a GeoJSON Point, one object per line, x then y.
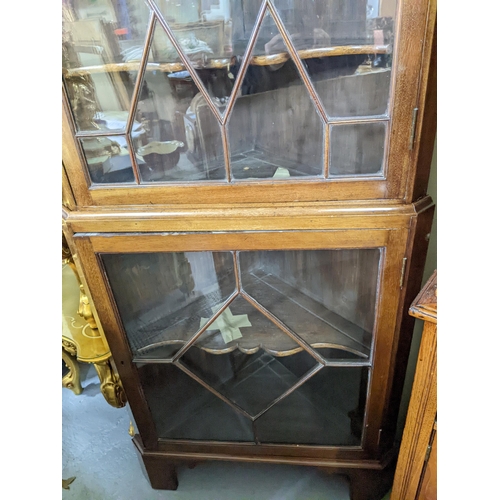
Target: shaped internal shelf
{"type": "Point", "coordinates": [221, 63]}
{"type": "Point", "coordinates": [318, 326]}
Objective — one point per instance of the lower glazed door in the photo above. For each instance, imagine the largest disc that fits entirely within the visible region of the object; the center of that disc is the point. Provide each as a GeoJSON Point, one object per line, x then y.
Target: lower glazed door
{"type": "Point", "coordinates": [264, 338]}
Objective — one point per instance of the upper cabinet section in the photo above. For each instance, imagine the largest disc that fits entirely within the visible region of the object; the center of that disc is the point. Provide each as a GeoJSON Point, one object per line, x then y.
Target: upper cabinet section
{"type": "Point", "coordinates": [234, 101]}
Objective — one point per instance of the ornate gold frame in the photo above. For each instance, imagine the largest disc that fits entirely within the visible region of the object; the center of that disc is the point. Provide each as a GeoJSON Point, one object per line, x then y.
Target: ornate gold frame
{"type": "Point", "coordinates": [89, 348]}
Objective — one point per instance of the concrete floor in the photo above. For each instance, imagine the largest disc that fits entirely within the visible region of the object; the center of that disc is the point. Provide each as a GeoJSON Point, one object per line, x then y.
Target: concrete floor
{"type": "Point", "coordinates": [97, 450]}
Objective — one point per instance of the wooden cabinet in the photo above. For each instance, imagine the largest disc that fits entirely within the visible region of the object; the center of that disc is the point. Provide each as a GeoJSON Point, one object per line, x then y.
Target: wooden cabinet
{"type": "Point", "coordinates": [416, 473]}
{"type": "Point", "coordinates": [306, 102]}
{"type": "Point", "coordinates": [244, 190]}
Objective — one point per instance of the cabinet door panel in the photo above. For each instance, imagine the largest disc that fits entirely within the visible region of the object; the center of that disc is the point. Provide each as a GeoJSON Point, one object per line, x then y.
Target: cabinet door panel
{"type": "Point", "coordinates": [253, 300]}
{"type": "Point", "coordinates": [254, 334]}
{"type": "Point", "coordinates": [346, 50]}
{"type": "Point", "coordinates": [242, 98]}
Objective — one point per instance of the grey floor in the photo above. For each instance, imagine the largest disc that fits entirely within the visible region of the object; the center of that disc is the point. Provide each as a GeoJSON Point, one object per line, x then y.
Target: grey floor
{"type": "Point", "coordinates": [97, 450]}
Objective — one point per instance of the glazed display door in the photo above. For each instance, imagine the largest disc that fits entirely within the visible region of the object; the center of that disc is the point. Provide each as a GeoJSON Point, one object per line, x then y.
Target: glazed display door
{"type": "Point", "coordinates": [239, 100]}
{"type": "Point", "coordinates": [263, 338]}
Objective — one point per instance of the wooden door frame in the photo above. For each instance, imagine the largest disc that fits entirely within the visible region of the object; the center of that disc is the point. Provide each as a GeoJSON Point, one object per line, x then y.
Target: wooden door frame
{"type": "Point", "coordinates": [414, 62]}
{"type": "Point", "coordinates": [394, 245]}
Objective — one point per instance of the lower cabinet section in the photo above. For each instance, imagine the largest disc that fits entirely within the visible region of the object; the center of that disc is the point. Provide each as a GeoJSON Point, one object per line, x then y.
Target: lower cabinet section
{"type": "Point", "coordinates": [264, 346]}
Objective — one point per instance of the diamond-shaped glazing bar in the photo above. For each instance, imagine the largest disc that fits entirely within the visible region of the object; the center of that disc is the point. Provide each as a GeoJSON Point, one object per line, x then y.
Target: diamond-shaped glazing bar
{"type": "Point", "coordinates": [283, 327]}
{"type": "Point", "coordinates": [214, 391]}
{"type": "Point", "coordinates": [206, 326]}
{"type": "Point", "coordinates": [245, 61]}
{"type": "Point", "coordinates": [140, 74]}
{"type": "Point", "coordinates": [185, 60]}
{"type": "Point", "coordinates": [298, 63]}
{"type": "Point", "coordinates": [302, 381]}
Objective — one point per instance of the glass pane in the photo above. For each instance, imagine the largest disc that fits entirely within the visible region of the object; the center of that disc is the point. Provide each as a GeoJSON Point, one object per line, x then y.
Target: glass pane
{"type": "Point", "coordinates": [103, 43]}
{"type": "Point", "coordinates": [357, 149]}
{"type": "Point", "coordinates": [251, 367]}
{"type": "Point", "coordinates": [322, 411]}
{"type": "Point", "coordinates": [241, 326]}
{"type": "Point", "coordinates": [328, 297]}
{"type": "Point", "coordinates": [161, 297]}
{"type": "Point", "coordinates": [182, 140]}
{"type": "Point", "coordinates": [249, 361]}
{"type": "Point", "coordinates": [108, 159]}
{"type": "Point", "coordinates": [213, 35]}
{"type": "Point", "coordinates": [346, 48]}
{"type": "Point", "coordinates": [274, 129]}
{"type": "Point", "coordinates": [183, 409]}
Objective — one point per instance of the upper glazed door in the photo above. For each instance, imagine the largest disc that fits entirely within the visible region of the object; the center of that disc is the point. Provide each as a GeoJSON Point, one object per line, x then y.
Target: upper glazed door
{"type": "Point", "coordinates": [241, 100]}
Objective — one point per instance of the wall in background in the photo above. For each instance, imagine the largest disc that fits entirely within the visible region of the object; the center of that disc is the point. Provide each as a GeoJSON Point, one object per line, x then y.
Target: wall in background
{"type": "Point", "coordinates": [430, 265]}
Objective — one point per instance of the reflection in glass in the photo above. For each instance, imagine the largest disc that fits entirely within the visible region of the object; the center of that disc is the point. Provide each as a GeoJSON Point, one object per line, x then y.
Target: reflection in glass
{"type": "Point", "coordinates": [243, 327]}
{"type": "Point", "coordinates": [183, 409]}
{"type": "Point", "coordinates": [273, 126]}
{"type": "Point", "coordinates": [239, 336]}
{"type": "Point", "coordinates": [251, 381]}
{"type": "Point", "coordinates": [357, 149]}
{"type": "Point", "coordinates": [346, 48]}
{"type": "Point", "coordinates": [97, 41]}
{"type": "Point", "coordinates": [108, 159]}
{"type": "Point", "coordinates": [162, 297]}
{"type": "Point", "coordinates": [322, 411]}
{"type": "Point", "coordinates": [327, 297]}
{"type": "Point", "coordinates": [250, 369]}
{"type": "Point", "coordinates": [182, 140]}
{"type": "Point", "coordinates": [274, 129]}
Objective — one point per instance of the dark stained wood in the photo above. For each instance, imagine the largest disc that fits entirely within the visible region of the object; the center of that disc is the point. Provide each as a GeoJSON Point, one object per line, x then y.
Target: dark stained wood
{"type": "Point", "coordinates": [161, 474]}
{"type": "Point", "coordinates": [386, 343]}
{"type": "Point", "coordinates": [412, 41]}
{"type": "Point", "coordinates": [394, 240]}
{"type": "Point", "coordinates": [369, 484]}
{"type": "Point", "coordinates": [262, 191]}
{"type": "Point", "coordinates": [340, 458]}
{"type": "Point", "coordinates": [205, 241]}
{"type": "Point", "coordinates": [423, 147]}
{"type": "Point", "coordinates": [418, 244]}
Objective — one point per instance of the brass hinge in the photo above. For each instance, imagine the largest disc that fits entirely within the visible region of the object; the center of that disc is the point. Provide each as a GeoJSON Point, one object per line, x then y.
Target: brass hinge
{"type": "Point", "coordinates": [403, 270]}
{"type": "Point", "coordinates": [427, 454]}
{"type": "Point", "coordinates": [413, 128]}
{"type": "Point", "coordinates": [431, 442]}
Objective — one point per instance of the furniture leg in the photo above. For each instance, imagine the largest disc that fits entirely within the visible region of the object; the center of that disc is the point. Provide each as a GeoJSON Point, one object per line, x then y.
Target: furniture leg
{"type": "Point", "coordinates": [110, 386]}
{"type": "Point", "coordinates": [72, 379]}
{"type": "Point", "coordinates": [161, 475]}
{"type": "Point", "coordinates": [366, 484]}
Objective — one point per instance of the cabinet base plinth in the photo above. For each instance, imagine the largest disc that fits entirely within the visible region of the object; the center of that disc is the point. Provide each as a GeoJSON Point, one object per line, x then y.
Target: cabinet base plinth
{"type": "Point", "coordinates": [365, 483]}
{"type": "Point", "coordinates": [161, 475]}
{"type": "Point", "coordinates": [370, 484]}
{"type": "Point", "coordinates": [159, 471]}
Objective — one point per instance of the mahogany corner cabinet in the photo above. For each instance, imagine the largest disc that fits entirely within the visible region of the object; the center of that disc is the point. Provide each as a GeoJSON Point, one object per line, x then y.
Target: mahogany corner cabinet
{"type": "Point", "coordinates": [244, 194]}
